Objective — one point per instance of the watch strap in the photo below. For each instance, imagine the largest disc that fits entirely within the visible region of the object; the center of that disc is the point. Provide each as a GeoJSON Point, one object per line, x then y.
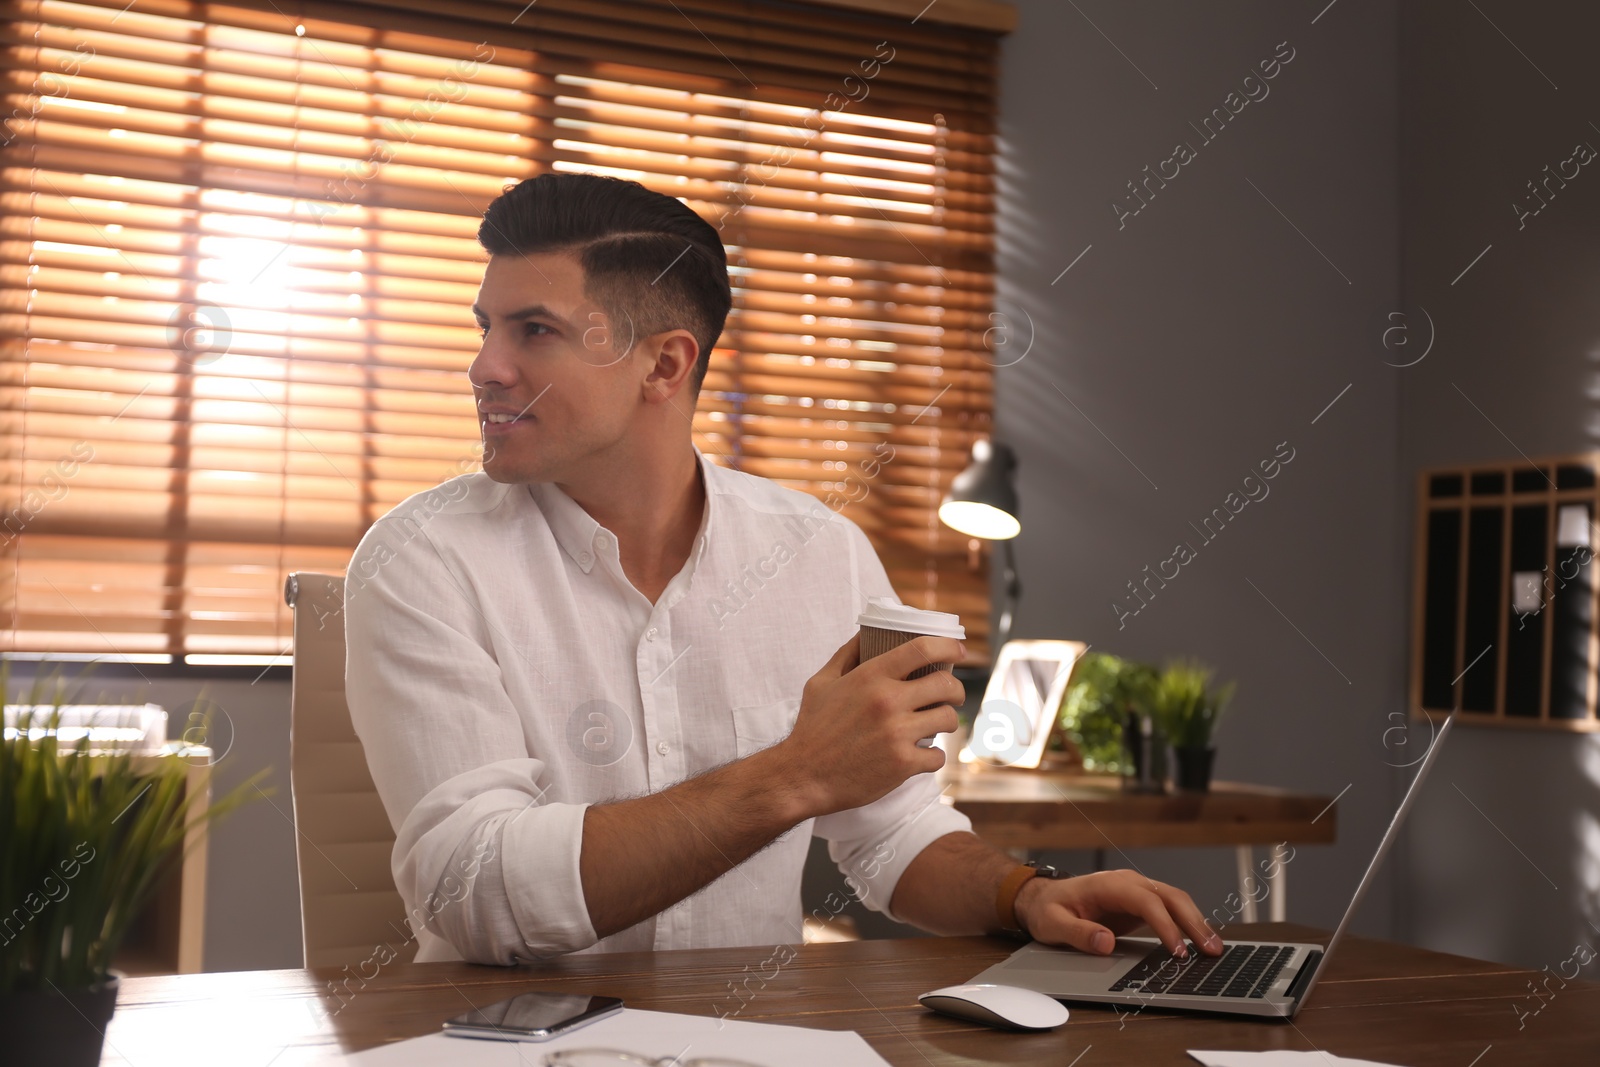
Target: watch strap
{"type": "Point", "coordinates": [1005, 904]}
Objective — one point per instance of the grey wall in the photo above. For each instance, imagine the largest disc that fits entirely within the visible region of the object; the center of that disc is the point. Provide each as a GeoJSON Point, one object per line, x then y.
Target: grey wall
{"type": "Point", "coordinates": [1207, 328]}
{"type": "Point", "coordinates": [1505, 853]}
{"type": "Point", "coordinates": [253, 898]}
{"type": "Point", "coordinates": [1182, 348]}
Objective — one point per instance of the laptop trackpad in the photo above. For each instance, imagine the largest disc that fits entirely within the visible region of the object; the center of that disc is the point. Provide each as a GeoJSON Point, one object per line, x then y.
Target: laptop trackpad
{"type": "Point", "coordinates": [1061, 962]}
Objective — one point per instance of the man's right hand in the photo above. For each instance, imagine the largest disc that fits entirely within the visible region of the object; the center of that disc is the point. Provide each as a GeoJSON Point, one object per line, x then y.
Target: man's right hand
{"type": "Point", "coordinates": [855, 738]}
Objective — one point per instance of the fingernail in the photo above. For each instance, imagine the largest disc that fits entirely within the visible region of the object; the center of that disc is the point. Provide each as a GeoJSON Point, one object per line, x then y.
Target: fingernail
{"type": "Point", "coordinates": [1101, 942]}
{"type": "Point", "coordinates": [1182, 952]}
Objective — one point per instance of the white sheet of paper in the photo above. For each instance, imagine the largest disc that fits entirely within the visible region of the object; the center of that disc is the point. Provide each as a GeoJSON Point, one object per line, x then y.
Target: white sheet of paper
{"type": "Point", "coordinates": [644, 1033]}
{"type": "Point", "coordinates": [1279, 1058]}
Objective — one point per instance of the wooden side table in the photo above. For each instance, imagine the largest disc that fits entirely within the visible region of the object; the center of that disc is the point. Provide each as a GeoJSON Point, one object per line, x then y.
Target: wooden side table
{"type": "Point", "coordinates": [1033, 810]}
{"type": "Point", "coordinates": [168, 937]}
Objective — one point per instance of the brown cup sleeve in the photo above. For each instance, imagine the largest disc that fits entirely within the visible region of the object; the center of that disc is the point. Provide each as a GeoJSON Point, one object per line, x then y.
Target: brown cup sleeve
{"type": "Point", "coordinates": [875, 641]}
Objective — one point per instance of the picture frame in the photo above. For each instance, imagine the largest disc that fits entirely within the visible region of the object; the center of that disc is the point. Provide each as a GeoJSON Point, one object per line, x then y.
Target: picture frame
{"type": "Point", "coordinates": [1021, 703]}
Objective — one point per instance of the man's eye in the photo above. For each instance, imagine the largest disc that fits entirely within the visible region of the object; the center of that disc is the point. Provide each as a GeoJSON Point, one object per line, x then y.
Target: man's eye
{"type": "Point", "coordinates": [536, 329]}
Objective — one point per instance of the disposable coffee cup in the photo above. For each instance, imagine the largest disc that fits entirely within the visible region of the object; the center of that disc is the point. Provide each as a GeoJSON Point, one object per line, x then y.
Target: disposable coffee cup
{"type": "Point", "coordinates": [889, 624]}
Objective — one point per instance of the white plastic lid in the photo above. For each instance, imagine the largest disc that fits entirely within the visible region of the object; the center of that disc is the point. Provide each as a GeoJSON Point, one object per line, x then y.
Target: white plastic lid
{"type": "Point", "coordinates": [887, 614]}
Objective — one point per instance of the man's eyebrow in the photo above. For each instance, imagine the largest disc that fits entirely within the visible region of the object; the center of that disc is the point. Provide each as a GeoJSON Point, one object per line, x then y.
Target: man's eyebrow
{"type": "Point", "coordinates": [532, 311]}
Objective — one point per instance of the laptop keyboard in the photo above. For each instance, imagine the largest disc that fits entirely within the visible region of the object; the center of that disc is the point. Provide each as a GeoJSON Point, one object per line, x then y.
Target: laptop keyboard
{"type": "Point", "coordinates": [1241, 971]}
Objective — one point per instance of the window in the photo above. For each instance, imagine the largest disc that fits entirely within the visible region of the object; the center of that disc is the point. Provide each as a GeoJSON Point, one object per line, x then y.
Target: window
{"type": "Point", "coordinates": [238, 252]}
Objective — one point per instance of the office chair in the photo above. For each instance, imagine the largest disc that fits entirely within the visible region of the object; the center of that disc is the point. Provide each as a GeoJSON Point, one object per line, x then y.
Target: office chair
{"type": "Point", "coordinates": [350, 911]}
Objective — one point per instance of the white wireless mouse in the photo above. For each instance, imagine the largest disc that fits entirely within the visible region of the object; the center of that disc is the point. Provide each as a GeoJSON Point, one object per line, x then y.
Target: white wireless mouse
{"type": "Point", "coordinates": [1003, 1006]}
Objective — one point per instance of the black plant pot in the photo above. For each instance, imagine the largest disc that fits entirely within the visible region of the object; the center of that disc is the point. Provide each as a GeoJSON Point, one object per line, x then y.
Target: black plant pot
{"type": "Point", "coordinates": [59, 1029]}
{"type": "Point", "coordinates": [1147, 756]}
{"type": "Point", "coordinates": [1192, 768]}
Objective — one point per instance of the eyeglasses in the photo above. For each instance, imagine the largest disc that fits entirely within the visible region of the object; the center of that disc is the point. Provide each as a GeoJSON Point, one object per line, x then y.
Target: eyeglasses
{"type": "Point", "coordinates": [605, 1057]}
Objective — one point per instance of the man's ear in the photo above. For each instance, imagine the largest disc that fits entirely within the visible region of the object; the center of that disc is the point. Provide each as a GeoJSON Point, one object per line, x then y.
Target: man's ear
{"type": "Point", "coordinates": [673, 355]}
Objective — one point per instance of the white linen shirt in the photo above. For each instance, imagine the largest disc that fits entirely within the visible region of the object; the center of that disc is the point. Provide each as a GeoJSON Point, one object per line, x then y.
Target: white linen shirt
{"type": "Point", "coordinates": [503, 674]}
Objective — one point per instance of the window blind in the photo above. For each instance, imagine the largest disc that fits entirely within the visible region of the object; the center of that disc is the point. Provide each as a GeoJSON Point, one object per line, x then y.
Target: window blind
{"type": "Point", "coordinates": [237, 255]}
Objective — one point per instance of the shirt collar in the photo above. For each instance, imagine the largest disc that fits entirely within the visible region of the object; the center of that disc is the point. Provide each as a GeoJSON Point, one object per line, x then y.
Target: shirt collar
{"type": "Point", "coordinates": [583, 538]}
{"type": "Point", "coordinates": [708, 473]}
{"type": "Point", "coordinates": [574, 529]}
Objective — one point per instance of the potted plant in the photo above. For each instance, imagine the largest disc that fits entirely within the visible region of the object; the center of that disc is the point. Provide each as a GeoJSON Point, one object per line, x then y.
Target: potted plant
{"type": "Point", "coordinates": [1187, 709]}
{"type": "Point", "coordinates": [1105, 694]}
{"type": "Point", "coordinates": [85, 836]}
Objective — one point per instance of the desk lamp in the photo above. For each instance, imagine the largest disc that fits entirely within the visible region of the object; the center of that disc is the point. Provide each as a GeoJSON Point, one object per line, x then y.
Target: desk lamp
{"type": "Point", "coordinates": [982, 503]}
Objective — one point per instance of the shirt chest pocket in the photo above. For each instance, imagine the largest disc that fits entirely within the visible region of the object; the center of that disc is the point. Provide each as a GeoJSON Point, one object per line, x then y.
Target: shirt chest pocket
{"type": "Point", "coordinates": [760, 726]}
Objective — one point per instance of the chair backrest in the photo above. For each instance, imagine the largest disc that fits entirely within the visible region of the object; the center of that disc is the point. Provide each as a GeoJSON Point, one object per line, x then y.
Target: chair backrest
{"type": "Point", "coordinates": [349, 907]}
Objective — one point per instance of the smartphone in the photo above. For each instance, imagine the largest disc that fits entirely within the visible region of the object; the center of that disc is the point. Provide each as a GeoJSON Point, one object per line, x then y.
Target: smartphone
{"type": "Point", "coordinates": [533, 1016]}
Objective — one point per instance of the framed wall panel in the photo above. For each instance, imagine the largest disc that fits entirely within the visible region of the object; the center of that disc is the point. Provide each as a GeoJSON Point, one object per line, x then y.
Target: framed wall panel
{"type": "Point", "coordinates": [1504, 593]}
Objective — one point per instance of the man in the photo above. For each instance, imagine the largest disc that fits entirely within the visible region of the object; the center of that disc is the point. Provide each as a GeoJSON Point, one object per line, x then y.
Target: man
{"type": "Point", "coordinates": [609, 690]}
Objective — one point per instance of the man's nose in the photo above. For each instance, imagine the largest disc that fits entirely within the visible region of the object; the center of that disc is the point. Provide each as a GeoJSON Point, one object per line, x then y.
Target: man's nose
{"type": "Point", "coordinates": [491, 367]}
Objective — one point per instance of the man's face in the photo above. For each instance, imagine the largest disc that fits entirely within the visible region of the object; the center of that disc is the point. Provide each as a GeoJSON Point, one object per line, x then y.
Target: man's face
{"type": "Point", "coordinates": [553, 381]}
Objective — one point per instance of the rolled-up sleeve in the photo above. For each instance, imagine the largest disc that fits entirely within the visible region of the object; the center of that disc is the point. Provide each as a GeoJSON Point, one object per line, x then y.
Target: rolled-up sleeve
{"type": "Point", "coordinates": [482, 857]}
{"type": "Point", "coordinates": [873, 844]}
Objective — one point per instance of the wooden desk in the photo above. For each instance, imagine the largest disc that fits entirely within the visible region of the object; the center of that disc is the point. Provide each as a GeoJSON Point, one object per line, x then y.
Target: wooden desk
{"type": "Point", "coordinates": [1379, 1001]}
{"type": "Point", "coordinates": [1034, 810]}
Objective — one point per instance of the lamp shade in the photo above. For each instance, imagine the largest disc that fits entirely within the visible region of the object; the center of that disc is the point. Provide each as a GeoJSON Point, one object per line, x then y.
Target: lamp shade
{"type": "Point", "coordinates": [982, 501]}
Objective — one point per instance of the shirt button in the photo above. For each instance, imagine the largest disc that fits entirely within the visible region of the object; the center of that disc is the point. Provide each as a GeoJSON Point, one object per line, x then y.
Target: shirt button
{"type": "Point", "coordinates": [602, 541]}
{"type": "Point", "coordinates": [584, 558]}
{"type": "Point", "coordinates": [650, 634]}
{"type": "Point", "coordinates": [663, 748]}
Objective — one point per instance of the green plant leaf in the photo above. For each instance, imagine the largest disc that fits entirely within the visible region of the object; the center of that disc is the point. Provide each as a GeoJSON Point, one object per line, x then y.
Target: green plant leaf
{"type": "Point", "coordinates": [1102, 690]}
{"type": "Point", "coordinates": [1186, 707]}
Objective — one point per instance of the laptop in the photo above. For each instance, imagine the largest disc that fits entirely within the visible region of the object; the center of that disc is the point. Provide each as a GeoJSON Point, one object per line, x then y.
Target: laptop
{"type": "Point", "coordinates": [1261, 978]}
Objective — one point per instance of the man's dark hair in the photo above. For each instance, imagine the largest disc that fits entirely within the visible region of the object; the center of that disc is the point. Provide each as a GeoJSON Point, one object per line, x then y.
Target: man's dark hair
{"type": "Point", "coordinates": [647, 259]}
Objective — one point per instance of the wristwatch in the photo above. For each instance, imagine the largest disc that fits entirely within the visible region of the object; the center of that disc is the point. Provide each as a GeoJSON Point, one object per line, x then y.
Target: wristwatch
{"type": "Point", "coordinates": [1005, 904]}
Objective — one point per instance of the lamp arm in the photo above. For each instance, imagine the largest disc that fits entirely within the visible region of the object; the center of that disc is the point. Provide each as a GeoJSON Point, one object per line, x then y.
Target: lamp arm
{"type": "Point", "coordinates": [1013, 595]}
